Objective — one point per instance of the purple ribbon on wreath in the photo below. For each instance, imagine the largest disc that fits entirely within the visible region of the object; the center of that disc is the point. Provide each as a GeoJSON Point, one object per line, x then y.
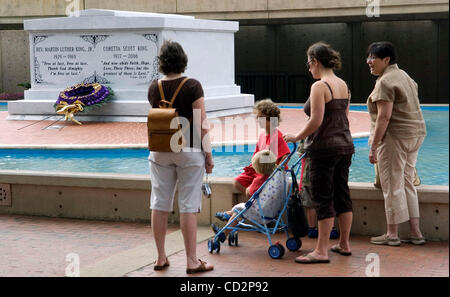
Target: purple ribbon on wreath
{"type": "Point", "coordinates": [83, 97]}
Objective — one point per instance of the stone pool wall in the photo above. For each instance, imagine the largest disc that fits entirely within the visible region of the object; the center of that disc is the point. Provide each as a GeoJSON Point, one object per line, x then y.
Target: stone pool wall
{"type": "Point", "coordinates": [121, 197]}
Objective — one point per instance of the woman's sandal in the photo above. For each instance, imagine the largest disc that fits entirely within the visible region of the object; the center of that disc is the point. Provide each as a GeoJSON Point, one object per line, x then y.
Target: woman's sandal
{"type": "Point", "coordinates": [162, 267]}
{"type": "Point", "coordinates": [337, 249]}
{"type": "Point", "coordinates": [201, 268]}
{"type": "Point", "coordinates": [311, 260]}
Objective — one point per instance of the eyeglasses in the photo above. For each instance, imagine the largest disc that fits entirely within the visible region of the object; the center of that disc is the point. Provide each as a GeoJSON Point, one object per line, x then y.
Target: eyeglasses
{"type": "Point", "coordinates": [307, 63]}
{"type": "Point", "coordinates": [371, 58]}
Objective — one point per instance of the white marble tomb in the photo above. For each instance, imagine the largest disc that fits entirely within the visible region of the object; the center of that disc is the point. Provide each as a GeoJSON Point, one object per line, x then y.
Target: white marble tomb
{"type": "Point", "coordinates": [119, 49]}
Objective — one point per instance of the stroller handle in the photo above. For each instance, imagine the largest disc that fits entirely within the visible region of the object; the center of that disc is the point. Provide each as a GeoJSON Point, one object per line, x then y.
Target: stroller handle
{"type": "Point", "coordinates": [289, 156]}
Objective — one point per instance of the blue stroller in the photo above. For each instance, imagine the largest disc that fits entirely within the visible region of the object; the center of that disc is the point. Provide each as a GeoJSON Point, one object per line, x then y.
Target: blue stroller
{"type": "Point", "coordinates": [267, 205]}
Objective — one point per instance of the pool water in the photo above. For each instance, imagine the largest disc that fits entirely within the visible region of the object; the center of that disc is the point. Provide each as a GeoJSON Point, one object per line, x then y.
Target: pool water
{"type": "Point", "coordinates": [432, 163]}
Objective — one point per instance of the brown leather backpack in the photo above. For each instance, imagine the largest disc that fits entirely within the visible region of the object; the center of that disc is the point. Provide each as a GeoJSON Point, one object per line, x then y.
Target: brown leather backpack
{"type": "Point", "coordinates": [162, 137]}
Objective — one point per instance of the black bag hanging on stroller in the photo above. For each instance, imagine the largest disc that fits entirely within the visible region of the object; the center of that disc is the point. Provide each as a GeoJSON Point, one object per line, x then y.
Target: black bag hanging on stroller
{"type": "Point", "coordinates": [296, 217]}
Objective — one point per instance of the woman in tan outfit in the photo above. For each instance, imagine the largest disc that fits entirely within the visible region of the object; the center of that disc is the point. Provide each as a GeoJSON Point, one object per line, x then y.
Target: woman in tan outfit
{"type": "Point", "coordinates": [396, 134]}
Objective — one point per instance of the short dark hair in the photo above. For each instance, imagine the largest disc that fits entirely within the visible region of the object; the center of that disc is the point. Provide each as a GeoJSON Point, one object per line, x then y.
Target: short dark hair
{"type": "Point", "coordinates": [382, 49]}
{"type": "Point", "coordinates": [325, 54]}
{"type": "Point", "coordinates": [172, 58]}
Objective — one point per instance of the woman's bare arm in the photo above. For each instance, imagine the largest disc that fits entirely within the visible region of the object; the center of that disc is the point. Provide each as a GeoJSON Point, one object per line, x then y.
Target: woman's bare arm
{"type": "Point", "coordinates": [199, 104]}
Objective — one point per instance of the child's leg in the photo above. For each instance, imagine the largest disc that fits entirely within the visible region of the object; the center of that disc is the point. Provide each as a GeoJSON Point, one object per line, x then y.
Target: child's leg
{"type": "Point", "coordinates": [234, 212]}
{"type": "Point", "coordinates": [227, 231]}
{"type": "Point", "coordinates": [307, 203]}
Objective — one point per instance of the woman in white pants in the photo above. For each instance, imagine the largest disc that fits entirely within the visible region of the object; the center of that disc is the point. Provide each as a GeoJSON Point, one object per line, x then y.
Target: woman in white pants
{"type": "Point", "coordinates": [184, 169]}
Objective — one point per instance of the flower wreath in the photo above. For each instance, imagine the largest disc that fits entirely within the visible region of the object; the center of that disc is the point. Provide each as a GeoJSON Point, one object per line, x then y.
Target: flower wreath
{"type": "Point", "coordinates": [82, 97]}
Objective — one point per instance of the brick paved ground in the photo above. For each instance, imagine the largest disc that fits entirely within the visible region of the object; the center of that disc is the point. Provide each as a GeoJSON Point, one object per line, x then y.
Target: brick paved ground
{"type": "Point", "coordinates": [34, 132]}
{"type": "Point", "coordinates": [36, 246]}
{"type": "Point", "coordinates": [251, 259]}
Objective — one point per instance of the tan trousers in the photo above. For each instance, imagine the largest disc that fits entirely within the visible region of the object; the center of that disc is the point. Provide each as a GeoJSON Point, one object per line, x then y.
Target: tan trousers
{"type": "Point", "coordinates": [396, 163]}
{"type": "Point", "coordinates": [377, 183]}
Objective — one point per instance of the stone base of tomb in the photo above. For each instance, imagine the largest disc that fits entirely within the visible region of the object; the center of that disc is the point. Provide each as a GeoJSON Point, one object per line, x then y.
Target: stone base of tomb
{"type": "Point", "coordinates": [126, 110]}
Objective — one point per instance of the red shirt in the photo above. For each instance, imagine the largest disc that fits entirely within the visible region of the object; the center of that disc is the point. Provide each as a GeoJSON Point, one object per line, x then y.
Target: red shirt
{"type": "Point", "coordinates": [257, 183]}
{"type": "Point", "coordinates": [275, 143]}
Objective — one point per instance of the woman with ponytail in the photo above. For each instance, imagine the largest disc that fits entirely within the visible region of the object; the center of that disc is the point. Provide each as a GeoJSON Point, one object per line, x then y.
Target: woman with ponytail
{"type": "Point", "coordinates": [329, 146]}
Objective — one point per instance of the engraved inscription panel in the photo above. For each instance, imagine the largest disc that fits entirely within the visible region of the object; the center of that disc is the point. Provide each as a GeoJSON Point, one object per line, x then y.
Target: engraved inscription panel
{"type": "Point", "coordinates": [117, 59]}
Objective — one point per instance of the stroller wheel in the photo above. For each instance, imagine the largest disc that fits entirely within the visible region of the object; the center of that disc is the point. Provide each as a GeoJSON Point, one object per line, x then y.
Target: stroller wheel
{"type": "Point", "coordinates": [210, 245]}
{"type": "Point", "coordinates": [293, 244]}
{"type": "Point", "coordinates": [213, 245]}
{"type": "Point", "coordinates": [217, 246]}
{"type": "Point", "coordinates": [233, 238]}
{"type": "Point", "coordinates": [282, 249]}
{"type": "Point", "coordinates": [275, 251]}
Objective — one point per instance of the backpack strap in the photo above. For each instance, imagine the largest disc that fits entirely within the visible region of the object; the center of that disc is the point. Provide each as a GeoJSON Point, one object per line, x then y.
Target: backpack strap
{"type": "Point", "coordinates": [161, 92]}
{"type": "Point", "coordinates": [164, 103]}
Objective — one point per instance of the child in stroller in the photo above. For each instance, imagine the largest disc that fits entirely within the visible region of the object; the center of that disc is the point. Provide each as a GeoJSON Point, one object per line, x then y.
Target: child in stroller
{"type": "Point", "coordinates": [264, 163]}
{"type": "Point", "coordinates": [266, 205]}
